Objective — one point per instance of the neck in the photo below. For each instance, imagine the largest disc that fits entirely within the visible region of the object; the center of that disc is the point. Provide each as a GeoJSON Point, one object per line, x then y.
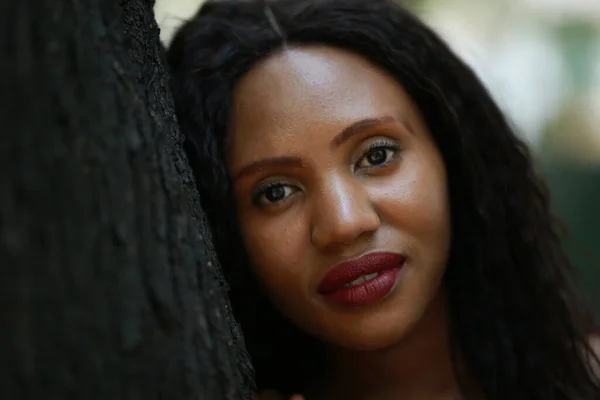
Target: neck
{"type": "Point", "coordinates": [417, 367]}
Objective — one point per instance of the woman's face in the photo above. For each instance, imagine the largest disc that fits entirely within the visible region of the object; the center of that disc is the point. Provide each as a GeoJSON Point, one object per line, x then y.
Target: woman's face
{"type": "Point", "coordinates": [341, 194]}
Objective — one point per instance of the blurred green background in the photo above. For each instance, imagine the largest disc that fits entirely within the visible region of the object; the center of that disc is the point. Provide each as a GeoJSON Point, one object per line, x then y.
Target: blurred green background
{"type": "Point", "coordinates": [541, 61]}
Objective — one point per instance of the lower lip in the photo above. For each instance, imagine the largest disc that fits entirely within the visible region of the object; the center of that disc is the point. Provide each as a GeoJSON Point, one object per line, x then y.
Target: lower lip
{"type": "Point", "coordinates": [366, 293]}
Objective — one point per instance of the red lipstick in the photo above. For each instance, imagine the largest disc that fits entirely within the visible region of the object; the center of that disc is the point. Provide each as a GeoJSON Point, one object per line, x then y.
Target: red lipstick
{"type": "Point", "coordinates": [362, 281]}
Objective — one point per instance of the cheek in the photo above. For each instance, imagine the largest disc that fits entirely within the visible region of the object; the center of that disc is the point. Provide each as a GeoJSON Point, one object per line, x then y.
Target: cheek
{"type": "Point", "coordinates": [417, 205]}
{"type": "Point", "coordinates": [275, 246]}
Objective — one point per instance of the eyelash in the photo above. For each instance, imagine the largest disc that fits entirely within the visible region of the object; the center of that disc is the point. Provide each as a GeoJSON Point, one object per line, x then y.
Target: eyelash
{"type": "Point", "coordinates": [378, 145]}
{"type": "Point", "coordinates": [263, 189]}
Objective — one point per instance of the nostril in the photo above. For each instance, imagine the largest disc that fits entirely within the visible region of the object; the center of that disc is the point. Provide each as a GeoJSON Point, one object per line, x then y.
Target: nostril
{"type": "Point", "coordinates": [344, 224]}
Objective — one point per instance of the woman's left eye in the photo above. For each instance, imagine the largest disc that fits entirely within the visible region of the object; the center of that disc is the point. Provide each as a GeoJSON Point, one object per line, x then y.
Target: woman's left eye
{"type": "Point", "coordinates": [377, 157]}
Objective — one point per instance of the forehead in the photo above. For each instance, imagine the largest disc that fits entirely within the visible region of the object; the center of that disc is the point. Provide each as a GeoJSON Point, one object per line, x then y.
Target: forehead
{"type": "Point", "coordinates": [297, 91]}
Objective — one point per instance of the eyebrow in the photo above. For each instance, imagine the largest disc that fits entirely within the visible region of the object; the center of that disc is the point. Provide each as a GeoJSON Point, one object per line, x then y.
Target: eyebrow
{"type": "Point", "coordinates": [338, 140]}
{"type": "Point", "coordinates": [288, 162]}
{"type": "Point", "coordinates": [360, 126]}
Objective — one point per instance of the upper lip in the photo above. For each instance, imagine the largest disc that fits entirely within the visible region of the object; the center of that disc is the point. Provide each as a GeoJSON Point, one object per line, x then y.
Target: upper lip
{"type": "Point", "coordinates": [348, 271]}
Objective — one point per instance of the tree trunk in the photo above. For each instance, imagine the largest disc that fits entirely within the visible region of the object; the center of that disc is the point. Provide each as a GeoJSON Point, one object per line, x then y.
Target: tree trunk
{"type": "Point", "coordinates": [109, 288]}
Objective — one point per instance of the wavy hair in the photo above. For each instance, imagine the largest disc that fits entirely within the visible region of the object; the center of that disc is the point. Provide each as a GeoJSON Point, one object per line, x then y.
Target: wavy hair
{"type": "Point", "coordinates": [516, 321]}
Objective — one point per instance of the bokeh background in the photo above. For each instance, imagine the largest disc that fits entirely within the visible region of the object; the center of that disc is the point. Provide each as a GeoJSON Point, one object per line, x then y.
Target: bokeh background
{"type": "Point", "coordinates": [541, 61]}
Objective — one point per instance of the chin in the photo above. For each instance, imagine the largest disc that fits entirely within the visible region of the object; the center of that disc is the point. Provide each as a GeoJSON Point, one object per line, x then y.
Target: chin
{"type": "Point", "coordinates": [373, 342]}
{"type": "Point", "coordinates": [370, 344]}
{"type": "Point", "coordinates": [375, 332]}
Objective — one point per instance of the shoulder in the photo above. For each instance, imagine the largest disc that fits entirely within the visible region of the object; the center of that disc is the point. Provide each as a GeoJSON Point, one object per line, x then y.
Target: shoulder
{"type": "Point", "coordinates": [595, 361]}
{"type": "Point", "coordinates": [595, 343]}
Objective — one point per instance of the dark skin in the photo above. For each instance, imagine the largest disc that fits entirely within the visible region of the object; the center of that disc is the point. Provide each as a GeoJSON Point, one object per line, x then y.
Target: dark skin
{"type": "Point", "coordinates": [331, 159]}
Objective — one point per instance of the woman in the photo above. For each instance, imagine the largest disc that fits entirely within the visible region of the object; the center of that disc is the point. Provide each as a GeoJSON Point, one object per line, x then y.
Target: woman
{"type": "Point", "coordinates": [380, 225]}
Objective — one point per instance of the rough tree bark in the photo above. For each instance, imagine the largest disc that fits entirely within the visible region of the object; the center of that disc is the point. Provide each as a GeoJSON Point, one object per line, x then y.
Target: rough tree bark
{"type": "Point", "coordinates": [109, 288]}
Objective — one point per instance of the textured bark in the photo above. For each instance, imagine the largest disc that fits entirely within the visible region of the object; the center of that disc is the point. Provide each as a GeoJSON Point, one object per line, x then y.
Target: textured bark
{"type": "Point", "coordinates": [109, 288]}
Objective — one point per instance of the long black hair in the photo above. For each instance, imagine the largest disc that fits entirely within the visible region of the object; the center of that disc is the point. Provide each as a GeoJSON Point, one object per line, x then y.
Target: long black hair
{"type": "Point", "coordinates": [516, 321]}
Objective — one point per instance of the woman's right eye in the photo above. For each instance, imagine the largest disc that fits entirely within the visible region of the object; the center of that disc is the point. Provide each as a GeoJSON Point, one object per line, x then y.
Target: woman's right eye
{"type": "Point", "coordinates": [274, 194]}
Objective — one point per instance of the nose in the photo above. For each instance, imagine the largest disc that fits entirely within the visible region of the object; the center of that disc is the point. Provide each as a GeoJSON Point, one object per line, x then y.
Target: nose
{"type": "Point", "coordinates": [343, 213]}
